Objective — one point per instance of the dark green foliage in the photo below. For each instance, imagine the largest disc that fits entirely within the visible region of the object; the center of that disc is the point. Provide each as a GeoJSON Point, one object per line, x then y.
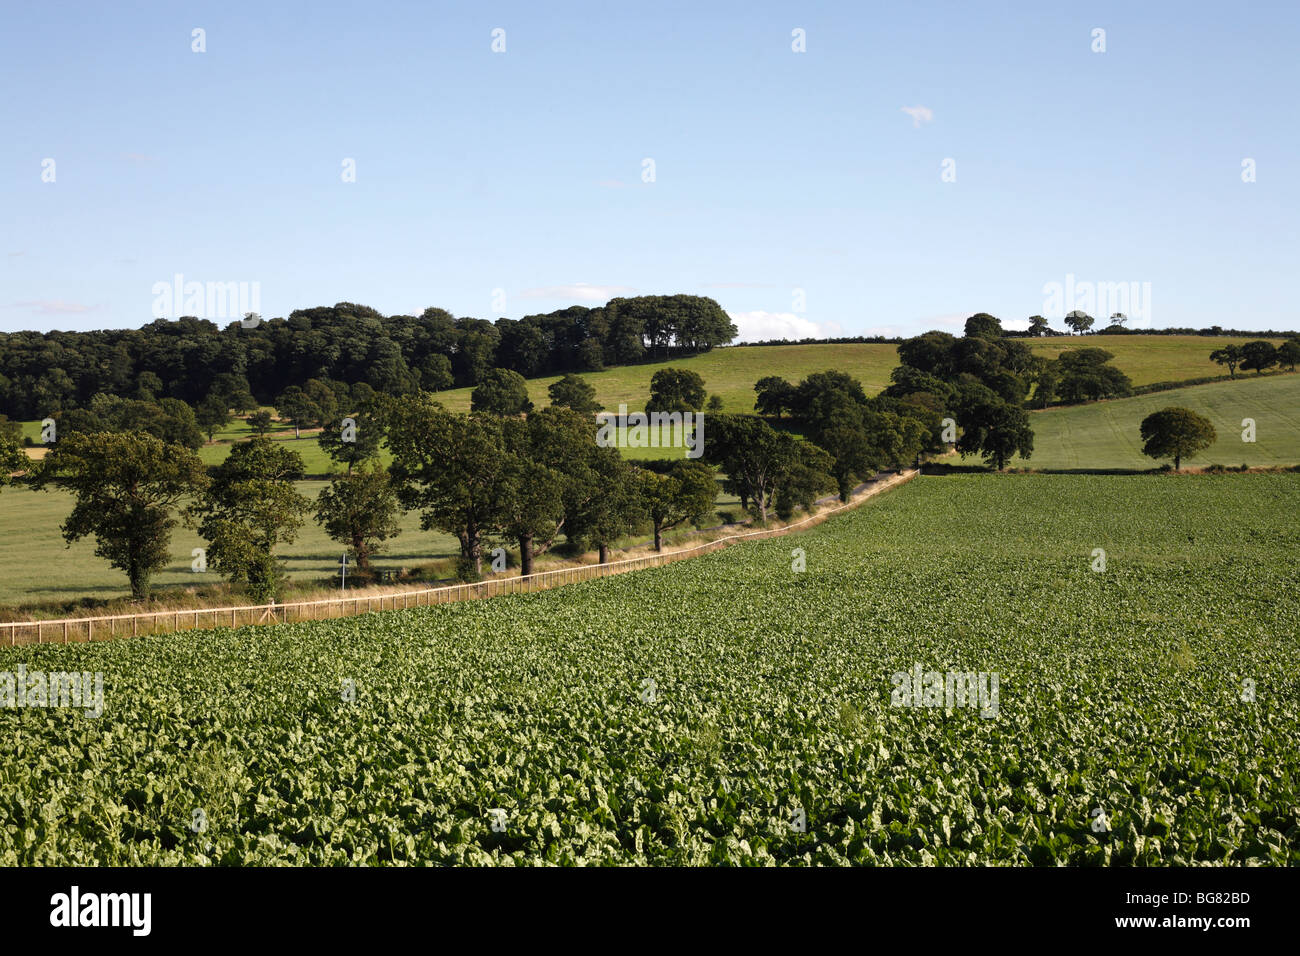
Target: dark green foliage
{"type": "Point", "coordinates": [1258, 355]}
{"type": "Point", "coordinates": [212, 415]}
{"type": "Point", "coordinates": [685, 494]}
{"type": "Point", "coordinates": [352, 439]}
{"type": "Point", "coordinates": [760, 462]}
{"type": "Point", "coordinates": [676, 390]}
{"type": "Point", "coordinates": [251, 508]}
{"type": "Point", "coordinates": [575, 392]}
{"type": "Point", "coordinates": [260, 422]}
{"type": "Point", "coordinates": [501, 392]}
{"type": "Point", "coordinates": [449, 467]}
{"type": "Point", "coordinates": [346, 344]}
{"type": "Point", "coordinates": [776, 396]}
{"type": "Point", "coordinates": [1079, 322]}
{"type": "Point", "coordinates": [1176, 433]}
{"type": "Point", "coordinates": [992, 428]}
{"type": "Point", "coordinates": [1086, 375]}
{"type": "Point", "coordinates": [1288, 353]}
{"type": "Point", "coordinates": [360, 510]}
{"type": "Point", "coordinates": [126, 487]}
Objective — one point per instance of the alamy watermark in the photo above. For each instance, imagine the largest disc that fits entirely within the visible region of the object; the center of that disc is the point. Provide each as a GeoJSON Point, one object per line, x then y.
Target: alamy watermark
{"type": "Point", "coordinates": [206, 300]}
{"type": "Point", "coordinates": [1130, 299]}
{"type": "Point", "coordinates": [918, 688]}
{"type": "Point", "coordinates": [646, 430]}
{"type": "Point", "coordinates": [56, 689]}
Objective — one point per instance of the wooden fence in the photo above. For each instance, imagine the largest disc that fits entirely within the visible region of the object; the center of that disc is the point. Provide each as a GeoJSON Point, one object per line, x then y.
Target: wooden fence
{"type": "Point", "coordinates": [154, 622]}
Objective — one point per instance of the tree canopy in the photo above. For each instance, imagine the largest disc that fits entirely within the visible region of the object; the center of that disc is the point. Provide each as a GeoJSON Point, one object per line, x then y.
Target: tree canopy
{"type": "Point", "coordinates": [125, 487]}
{"type": "Point", "coordinates": [1176, 433]}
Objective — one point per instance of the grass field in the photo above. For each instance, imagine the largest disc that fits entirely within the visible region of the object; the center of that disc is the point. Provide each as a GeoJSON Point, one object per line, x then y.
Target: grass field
{"type": "Point", "coordinates": [730, 710]}
{"type": "Point", "coordinates": [1105, 434]}
{"type": "Point", "coordinates": [732, 372]}
{"type": "Point", "coordinates": [37, 567]}
{"type": "Point", "coordinates": [728, 372]}
{"type": "Point", "coordinates": [1149, 358]}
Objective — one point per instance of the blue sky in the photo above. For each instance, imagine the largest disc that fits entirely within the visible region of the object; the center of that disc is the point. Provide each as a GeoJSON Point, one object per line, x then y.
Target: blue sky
{"type": "Point", "coordinates": [510, 183]}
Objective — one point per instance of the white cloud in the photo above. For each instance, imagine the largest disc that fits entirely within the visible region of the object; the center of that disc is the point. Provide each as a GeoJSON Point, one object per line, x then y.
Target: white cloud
{"type": "Point", "coordinates": [582, 291]}
{"type": "Point", "coordinates": [950, 320]}
{"type": "Point", "coordinates": [759, 326]}
{"type": "Point", "coordinates": [919, 114]}
{"type": "Point", "coordinates": [56, 307]}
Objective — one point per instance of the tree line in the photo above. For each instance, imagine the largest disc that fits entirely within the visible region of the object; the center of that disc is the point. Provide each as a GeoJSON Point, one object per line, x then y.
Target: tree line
{"type": "Point", "coordinates": [1257, 356]}
{"type": "Point", "coordinates": [343, 346]}
{"type": "Point", "coordinates": [505, 472]}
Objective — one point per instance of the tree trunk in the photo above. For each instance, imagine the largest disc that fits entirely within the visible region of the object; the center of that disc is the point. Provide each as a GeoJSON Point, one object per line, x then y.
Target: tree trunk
{"type": "Point", "coordinates": [659, 544]}
{"type": "Point", "coordinates": [471, 548]}
{"type": "Point", "coordinates": [362, 552]}
{"type": "Point", "coordinates": [139, 582]}
{"type": "Point", "coordinates": [604, 554]}
{"type": "Point", "coordinates": [525, 554]}
{"type": "Point", "coordinates": [1177, 462]}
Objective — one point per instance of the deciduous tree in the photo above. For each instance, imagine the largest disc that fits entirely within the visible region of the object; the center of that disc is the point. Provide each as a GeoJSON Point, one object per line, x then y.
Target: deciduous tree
{"type": "Point", "coordinates": [1176, 433]}
{"type": "Point", "coordinates": [360, 510]}
{"type": "Point", "coordinates": [125, 487]}
{"type": "Point", "coordinates": [253, 507]}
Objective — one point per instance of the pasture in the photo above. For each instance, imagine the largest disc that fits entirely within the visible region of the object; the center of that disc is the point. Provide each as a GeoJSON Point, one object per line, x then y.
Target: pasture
{"type": "Point", "coordinates": [1106, 434]}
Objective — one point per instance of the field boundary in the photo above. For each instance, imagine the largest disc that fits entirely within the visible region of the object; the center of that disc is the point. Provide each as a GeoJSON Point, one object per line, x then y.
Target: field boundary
{"type": "Point", "coordinates": [82, 629]}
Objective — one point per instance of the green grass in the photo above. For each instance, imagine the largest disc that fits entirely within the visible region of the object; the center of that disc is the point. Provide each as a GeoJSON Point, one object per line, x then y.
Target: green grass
{"type": "Point", "coordinates": [690, 714]}
{"type": "Point", "coordinates": [1105, 434]}
{"type": "Point", "coordinates": [1149, 358]}
{"type": "Point", "coordinates": [727, 372]}
{"type": "Point", "coordinates": [37, 567]}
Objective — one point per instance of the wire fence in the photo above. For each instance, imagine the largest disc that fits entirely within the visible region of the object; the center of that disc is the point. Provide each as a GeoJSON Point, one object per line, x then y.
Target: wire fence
{"type": "Point", "coordinates": [81, 629]}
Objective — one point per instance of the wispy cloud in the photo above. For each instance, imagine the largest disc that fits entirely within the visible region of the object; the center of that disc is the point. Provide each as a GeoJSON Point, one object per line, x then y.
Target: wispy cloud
{"type": "Point", "coordinates": [55, 307]}
{"type": "Point", "coordinates": [919, 114]}
{"type": "Point", "coordinates": [950, 320]}
{"type": "Point", "coordinates": [138, 158]}
{"type": "Point", "coordinates": [759, 326]}
{"type": "Point", "coordinates": [16, 254]}
{"type": "Point", "coordinates": [582, 291]}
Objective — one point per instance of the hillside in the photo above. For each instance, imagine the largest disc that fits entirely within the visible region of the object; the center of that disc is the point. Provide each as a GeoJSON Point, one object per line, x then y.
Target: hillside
{"type": "Point", "coordinates": [731, 372]}
{"type": "Point", "coordinates": [1150, 358]}
{"type": "Point", "coordinates": [1105, 434]}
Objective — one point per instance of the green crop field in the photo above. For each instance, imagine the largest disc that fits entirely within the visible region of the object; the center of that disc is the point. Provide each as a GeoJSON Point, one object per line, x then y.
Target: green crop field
{"type": "Point", "coordinates": [1105, 434]}
{"type": "Point", "coordinates": [732, 710]}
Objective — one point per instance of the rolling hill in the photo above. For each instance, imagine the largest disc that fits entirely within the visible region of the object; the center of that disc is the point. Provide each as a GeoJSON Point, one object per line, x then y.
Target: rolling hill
{"type": "Point", "coordinates": [1105, 434]}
